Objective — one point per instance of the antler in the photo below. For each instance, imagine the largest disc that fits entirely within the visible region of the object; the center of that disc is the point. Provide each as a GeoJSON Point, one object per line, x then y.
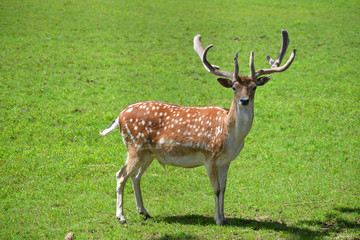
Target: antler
{"type": "Point", "coordinates": [255, 74]}
{"type": "Point", "coordinates": [213, 68]}
{"type": "Point", "coordinates": [274, 63]}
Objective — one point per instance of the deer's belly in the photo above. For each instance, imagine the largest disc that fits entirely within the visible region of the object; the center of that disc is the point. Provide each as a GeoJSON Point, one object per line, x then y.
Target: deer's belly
{"type": "Point", "coordinates": [188, 160]}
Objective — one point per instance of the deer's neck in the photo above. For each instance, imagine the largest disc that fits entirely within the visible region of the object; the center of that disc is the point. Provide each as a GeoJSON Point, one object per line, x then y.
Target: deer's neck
{"type": "Point", "coordinates": [239, 121]}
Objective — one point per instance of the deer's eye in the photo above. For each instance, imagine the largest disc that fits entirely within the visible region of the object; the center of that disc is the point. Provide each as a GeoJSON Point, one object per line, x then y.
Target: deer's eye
{"type": "Point", "coordinates": [233, 88]}
{"type": "Point", "coordinates": [254, 88]}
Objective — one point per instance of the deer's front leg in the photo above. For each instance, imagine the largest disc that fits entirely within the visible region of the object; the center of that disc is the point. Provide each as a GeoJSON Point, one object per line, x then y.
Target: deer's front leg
{"type": "Point", "coordinates": [222, 173]}
{"type": "Point", "coordinates": [217, 176]}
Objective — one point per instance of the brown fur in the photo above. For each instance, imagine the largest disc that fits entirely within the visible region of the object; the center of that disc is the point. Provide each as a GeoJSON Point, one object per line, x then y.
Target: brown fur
{"type": "Point", "coordinates": [146, 125]}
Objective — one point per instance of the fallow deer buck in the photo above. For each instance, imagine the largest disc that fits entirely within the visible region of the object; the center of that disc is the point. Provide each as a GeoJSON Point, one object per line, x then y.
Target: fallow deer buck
{"type": "Point", "coordinates": [192, 136]}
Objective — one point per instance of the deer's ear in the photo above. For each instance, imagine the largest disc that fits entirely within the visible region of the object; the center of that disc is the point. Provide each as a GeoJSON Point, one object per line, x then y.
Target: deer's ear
{"type": "Point", "coordinates": [262, 80]}
{"type": "Point", "coordinates": [225, 82]}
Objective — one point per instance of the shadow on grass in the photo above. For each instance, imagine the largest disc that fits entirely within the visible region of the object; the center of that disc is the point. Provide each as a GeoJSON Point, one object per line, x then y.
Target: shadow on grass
{"type": "Point", "coordinates": [335, 224]}
{"type": "Point", "coordinates": [338, 220]}
{"type": "Point", "coordinates": [245, 223]}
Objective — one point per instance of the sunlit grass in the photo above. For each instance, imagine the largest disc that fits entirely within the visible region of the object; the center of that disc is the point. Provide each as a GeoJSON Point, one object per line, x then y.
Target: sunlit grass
{"type": "Point", "coordinates": [67, 68]}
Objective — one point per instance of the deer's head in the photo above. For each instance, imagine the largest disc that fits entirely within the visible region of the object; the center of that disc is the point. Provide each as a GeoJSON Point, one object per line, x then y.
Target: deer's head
{"type": "Point", "coordinates": [244, 86]}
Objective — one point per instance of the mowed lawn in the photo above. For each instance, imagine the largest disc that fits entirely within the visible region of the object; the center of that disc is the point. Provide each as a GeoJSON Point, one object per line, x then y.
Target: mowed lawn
{"type": "Point", "coordinates": [68, 67]}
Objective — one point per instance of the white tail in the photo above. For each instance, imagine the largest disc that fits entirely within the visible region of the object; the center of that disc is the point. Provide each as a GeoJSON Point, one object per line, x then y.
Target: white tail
{"type": "Point", "coordinates": [111, 128]}
{"type": "Point", "coordinates": [192, 136]}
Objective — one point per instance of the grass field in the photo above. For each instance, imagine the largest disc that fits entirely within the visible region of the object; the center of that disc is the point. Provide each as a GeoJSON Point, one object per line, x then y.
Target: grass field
{"type": "Point", "coordinates": [68, 67]}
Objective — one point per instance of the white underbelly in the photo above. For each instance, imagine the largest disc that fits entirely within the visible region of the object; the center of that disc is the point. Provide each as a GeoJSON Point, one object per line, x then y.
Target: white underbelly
{"type": "Point", "coordinates": [188, 160]}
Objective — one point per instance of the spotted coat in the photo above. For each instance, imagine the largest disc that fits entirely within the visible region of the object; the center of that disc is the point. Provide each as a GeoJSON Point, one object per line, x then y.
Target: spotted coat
{"type": "Point", "coordinates": [152, 125]}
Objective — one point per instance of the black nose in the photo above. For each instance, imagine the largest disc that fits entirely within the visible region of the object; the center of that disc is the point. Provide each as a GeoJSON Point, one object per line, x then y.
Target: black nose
{"type": "Point", "coordinates": [244, 101]}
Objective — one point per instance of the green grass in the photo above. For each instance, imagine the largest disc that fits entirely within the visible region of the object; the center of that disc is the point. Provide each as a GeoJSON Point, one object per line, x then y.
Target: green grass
{"type": "Point", "coordinates": [67, 68]}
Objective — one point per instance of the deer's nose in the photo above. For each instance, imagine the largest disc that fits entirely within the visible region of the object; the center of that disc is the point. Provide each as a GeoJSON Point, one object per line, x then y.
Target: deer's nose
{"type": "Point", "coordinates": [244, 101]}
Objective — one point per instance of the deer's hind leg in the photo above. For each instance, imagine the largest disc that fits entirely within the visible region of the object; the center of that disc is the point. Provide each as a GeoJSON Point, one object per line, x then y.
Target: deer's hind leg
{"type": "Point", "coordinates": [134, 167]}
{"type": "Point", "coordinates": [146, 159]}
{"type": "Point", "coordinates": [121, 177]}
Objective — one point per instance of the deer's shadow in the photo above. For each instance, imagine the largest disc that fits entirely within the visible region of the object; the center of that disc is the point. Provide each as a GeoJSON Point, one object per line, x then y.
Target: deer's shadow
{"type": "Point", "coordinates": [303, 233]}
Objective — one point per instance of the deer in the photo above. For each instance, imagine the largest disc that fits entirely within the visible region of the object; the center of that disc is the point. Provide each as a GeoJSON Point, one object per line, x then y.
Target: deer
{"type": "Point", "coordinates": [190, 137]}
